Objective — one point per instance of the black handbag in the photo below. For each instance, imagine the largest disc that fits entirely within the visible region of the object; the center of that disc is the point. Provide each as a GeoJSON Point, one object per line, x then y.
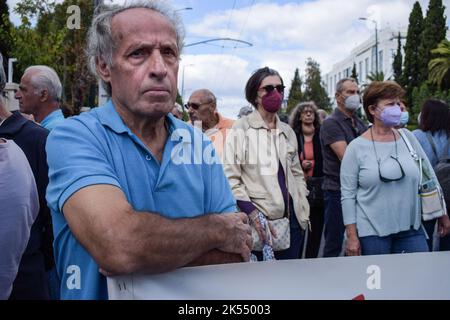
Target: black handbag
{"type": "Point", "coordinates": [314, 185]}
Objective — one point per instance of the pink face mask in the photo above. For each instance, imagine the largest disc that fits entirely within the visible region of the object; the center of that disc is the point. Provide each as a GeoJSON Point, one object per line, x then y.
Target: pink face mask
{"type": "Point", "coordinates": [271, 102]}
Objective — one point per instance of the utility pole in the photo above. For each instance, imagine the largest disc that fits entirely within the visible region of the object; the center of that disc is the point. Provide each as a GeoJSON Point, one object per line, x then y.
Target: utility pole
{"type": "Point", "coordinates": [376, 42]}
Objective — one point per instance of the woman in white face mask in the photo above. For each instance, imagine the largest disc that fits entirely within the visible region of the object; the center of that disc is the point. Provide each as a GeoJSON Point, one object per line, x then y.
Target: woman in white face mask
{"type": "Point", "coordinates": [404, 118]}
{"type": "Point", "coordinates": [380, 179]}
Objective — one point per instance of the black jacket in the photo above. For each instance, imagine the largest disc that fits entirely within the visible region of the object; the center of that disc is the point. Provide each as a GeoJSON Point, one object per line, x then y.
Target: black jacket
{"type": "Point", "coordinates": [31, 281]}
{"type": "Point", "coordinates": [318, 166]}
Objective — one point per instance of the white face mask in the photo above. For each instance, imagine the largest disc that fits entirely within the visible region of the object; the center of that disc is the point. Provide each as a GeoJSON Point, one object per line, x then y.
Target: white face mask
{"type": "Point", "coordinates": [352, 103]}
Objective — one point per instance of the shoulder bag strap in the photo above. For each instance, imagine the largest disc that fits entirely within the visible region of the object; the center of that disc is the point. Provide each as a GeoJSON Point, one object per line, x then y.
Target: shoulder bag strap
{"type": "Point", "coordinates": [433, 145]}
{"type": "Point", "coordinates": [444, 157]}
{"type": "Point", "coordinates": [413, 153]}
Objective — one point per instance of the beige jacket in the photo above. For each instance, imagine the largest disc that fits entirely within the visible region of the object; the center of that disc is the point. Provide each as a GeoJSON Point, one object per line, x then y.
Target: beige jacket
{"type": "Point", "coordinates": [252, 154]}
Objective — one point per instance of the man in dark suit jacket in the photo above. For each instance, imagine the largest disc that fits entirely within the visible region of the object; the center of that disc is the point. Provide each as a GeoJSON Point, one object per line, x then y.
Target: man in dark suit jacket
{"type": "Point", "coordinates": [31, 281]}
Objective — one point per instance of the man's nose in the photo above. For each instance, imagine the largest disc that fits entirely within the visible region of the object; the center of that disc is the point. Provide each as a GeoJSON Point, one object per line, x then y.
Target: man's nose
{"type": "Point", "coordinates": [17, 95]}
{"type": "Point", "coordinates": [158, 67]}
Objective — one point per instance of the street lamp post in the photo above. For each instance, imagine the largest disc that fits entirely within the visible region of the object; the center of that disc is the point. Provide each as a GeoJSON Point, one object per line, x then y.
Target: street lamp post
{"type": "Point", "coordinates": [376, 42]}
{"type": "Point", "coordinates": [205, 42]}
{"type": "Point", "coordinates": [182, 80]}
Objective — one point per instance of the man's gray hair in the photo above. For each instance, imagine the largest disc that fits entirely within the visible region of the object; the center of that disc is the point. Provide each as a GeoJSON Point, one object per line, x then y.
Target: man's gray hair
{"type": "Point", "coordinates": [45, 78]}
{"type": "Point", "coordinates": [340, 84]}
{"type": "Point", "coordinates": [2, 75]}
{"type": "Point", "coordinates": [101, 41]}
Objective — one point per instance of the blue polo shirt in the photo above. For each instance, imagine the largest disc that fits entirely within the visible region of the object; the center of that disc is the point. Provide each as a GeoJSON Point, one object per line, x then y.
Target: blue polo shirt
{"type": "Point", "coordinates": [52, 120]}
{"type": "Point", "coordinates": [98, 148]}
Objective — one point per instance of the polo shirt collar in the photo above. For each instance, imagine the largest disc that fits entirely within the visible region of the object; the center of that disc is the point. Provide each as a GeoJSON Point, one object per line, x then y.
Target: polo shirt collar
{"type": "Point", "coordinates": [51, 116]}
{"type": "Point", "coordinates": [108, 116]}
{"type": "Point", "coordinates": [341, 115]}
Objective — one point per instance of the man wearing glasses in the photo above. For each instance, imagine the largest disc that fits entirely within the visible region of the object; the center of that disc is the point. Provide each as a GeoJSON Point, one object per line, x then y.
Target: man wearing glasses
{"type": "Point", "coordinates": [202, 107]}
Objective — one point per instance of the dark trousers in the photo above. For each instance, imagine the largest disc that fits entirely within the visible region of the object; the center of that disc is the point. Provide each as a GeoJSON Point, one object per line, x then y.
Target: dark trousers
{"type": "Point", "coordinates": [444, 243]}
{"type": "Point", "coordinates": [316, 217]}
{"type": "Point", "coordinates": [334, 224]}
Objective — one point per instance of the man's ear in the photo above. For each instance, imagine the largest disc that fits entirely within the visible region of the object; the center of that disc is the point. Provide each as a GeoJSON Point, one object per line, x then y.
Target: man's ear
{"type": "Point", "coordinates": [43, 95]}
{"type": "Point", "coordinates": [103, 69]}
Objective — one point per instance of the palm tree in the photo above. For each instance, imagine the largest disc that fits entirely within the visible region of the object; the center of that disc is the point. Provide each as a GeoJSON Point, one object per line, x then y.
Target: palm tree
{"type": "Point", "coordinates": [440, 66]}
{"type": "Point", "coordinates": [374, 76]}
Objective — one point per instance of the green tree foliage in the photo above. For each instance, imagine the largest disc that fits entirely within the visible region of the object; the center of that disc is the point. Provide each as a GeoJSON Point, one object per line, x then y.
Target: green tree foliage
{"type": "Point", "coordinates": [50, 42]}
{"type": "Point", "coordinates": [411, 70]}
{"type": "Point", "coordinates": [439, 67]}
{"type": "Point", "coordinates": [295, 92]}
{"type": "Point", "coordinates": [180, 101]}
{"type": "Point", "coordinates": [355, 73]}
{"type": "Point", "coordinates": [419, 95]}
{"type": "Point", "coordinates": [314, 89]}
{"type": "Point", "coordinates": [434, 31]}
{"type": "Point", "coordinates": [5, 37]}
{"type": "Point", "coordinates": [398, 61]}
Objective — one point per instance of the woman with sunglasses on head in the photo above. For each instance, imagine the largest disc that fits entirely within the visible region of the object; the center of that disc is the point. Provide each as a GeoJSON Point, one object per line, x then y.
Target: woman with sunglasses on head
{"type": "Point", "coordinates": [263, 168]}
{"type": "Point", "coordinates": [380, 179]}
{"type": "Point", "coordinates": [305, 121]}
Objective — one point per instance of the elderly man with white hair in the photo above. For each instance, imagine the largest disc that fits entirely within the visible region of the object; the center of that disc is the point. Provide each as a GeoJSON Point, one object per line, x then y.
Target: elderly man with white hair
{"type": "Point", "coordinates": [123, 199]}
{"type": "Point", "coordinates": [39, 94]}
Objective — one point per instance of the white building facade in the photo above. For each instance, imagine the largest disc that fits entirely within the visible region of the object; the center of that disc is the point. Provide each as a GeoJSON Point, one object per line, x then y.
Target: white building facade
{"type": "Point", "coordinates": [364, 57]}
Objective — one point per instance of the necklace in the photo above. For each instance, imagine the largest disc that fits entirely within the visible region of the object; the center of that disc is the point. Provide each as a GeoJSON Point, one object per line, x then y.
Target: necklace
{"type": "Point", "coordinates": [375, 149]}
{"type": "Point", "coordinates": [384, 179]}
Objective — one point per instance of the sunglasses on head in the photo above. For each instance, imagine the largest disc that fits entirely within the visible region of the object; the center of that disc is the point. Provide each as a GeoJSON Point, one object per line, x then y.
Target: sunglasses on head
{"type": "Point", "coordinates": [269, 88]}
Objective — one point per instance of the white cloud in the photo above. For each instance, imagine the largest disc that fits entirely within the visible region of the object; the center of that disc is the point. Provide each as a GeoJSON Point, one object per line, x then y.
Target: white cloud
{"type": "Point", "coordinates": [225, 75]}
{"type": "Point", "coordinates": [285, 35]}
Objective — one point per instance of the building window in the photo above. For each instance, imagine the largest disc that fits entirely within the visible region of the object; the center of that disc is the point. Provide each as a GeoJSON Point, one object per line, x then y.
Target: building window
{"type": "Point", "coordinates": [360, 73]}
{"type": "Point", "coordinates": [367, 68]}
{"type": "Point", "coordinates": [374, 59]}
{"type": "Point", "coordinates": [380, 61]}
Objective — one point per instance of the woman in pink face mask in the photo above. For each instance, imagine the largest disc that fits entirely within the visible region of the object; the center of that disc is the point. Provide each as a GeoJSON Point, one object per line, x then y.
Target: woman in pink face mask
{"type": "Point", "coordinates": [262, 165]}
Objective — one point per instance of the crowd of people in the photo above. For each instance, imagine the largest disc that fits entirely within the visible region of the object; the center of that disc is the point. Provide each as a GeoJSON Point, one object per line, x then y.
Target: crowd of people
{"type": "Point", "coordinates": [129, 187]}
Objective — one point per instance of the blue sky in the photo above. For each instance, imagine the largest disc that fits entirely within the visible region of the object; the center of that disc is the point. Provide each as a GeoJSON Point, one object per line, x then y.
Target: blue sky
{"type": "Point", "coordinates": [283, 34]}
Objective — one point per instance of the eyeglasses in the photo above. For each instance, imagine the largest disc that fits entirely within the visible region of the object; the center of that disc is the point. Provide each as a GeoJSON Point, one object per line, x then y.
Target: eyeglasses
{"type": "Point", "coordinates": [269, 88]}
{"type": "Point", "coordinates": [383, 178]}
{"type": "Point", "coordinates": [195, 106]}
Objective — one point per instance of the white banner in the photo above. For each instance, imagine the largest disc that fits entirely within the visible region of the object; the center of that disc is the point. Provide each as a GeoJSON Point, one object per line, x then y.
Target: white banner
{"type": "Point", "coordinates": [405, 276]}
